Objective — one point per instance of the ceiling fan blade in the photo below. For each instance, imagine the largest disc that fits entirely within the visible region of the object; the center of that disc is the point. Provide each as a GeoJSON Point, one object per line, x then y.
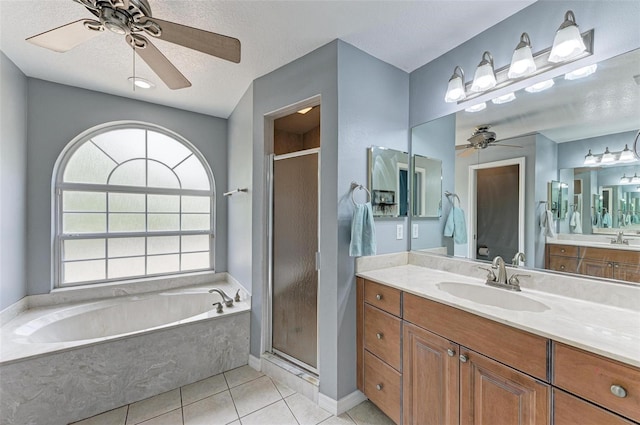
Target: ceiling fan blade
{"type": "Point", "coordinates": [458, 147]}
{"type": "Point", "coordinates": [161, 65]}
{"type": "Point", "coordinates": [504, 146]}
{"type": "Point", "coordinates": [66, 37]}
{"type": "Point", "coordinates": [218, 45]}
{"type": "Point", "coordinates": [467, 152]}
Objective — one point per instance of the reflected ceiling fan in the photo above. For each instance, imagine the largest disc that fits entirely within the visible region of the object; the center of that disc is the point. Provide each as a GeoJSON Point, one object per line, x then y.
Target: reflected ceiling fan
{"type": "Point", "coordinates": [132, 18]}
{"type": "Point", "coordinates": [482, 138]}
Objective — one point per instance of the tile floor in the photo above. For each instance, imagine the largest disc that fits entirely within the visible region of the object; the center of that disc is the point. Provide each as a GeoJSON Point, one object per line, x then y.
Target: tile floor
{"type": "Point", "coordinates": [241, 396]}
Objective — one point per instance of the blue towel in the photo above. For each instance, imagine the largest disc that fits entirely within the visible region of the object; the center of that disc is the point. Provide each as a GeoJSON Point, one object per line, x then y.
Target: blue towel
{"type": "Point", "coordinates": [363, 231]}
{"type": "Point", "coordinates": [606, 220]}
{"type": "Point", "coordinates": [456, 226]}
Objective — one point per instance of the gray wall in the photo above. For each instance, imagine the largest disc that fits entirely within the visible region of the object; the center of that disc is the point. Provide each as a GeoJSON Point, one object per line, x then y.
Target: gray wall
{"type": "Point", "coordinates": [13, 182]}
{"type": "Point", "coordinates": [58, 113]}
{"type": "Point", "coordinates": [240, 174]}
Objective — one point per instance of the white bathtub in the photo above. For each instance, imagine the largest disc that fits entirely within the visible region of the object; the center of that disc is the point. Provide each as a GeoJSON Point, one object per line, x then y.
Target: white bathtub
{"type": "Point", "coordinates": [64, 363]}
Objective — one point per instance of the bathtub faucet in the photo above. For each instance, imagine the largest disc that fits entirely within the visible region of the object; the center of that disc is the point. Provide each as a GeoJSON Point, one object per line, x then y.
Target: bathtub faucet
{"type": "Point", "coordinates": [228, 301]}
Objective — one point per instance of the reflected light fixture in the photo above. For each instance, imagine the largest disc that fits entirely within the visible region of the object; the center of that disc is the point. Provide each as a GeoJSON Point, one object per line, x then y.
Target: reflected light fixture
{"type": "Point", "coordinates": [305, 110]}
{"type": "Point", "coordinates": [522, 63]}
{"type": "Point", "coordinates": [635, 179]}
{"type": "Point", "coordinates": [626, 155]}
{"type": "Point", "coordinates": [581, 73]}
{"type": "Point", "coordinates": [590, 159]}
{"type": "Point", "coordinates": [541, 86]}
{"type": "Point", "coordinates": [477, 108]}
{"type": "Point", "coordinates": [455, 88]}
{"type": "Point", "coordinates": [485, 77]}
{"type": "Point", "coordinates": [624, 179]}
{"type": "Point", "coordinates": [567, 44]}
{"type": "Point", "coordinates": [607, 157]}
{"type": "Point", "coordinates": [505, 98]}
{"type": "Point", "coordinates": [141, 82]}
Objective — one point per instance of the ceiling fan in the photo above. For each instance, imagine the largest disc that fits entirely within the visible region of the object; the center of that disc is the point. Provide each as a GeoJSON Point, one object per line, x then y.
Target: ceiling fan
{"type": "Point", "coordinates": [482, 138]}
{"type": "Point", "coordinates": [133, 19]}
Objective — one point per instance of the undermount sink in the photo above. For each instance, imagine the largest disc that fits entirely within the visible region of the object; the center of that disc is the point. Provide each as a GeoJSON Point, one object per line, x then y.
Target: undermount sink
{"type": "Point", "coordinates": [492, 296]}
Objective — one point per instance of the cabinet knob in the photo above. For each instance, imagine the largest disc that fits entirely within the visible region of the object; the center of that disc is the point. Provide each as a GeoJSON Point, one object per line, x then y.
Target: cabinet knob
{"type": "Point", "coordinates": [562, 250]}
{"type": "Point", "coordinates": [618, 391]}
{"type": "Point", "coordinates": [609, 265]}
{"type": "Point", "coordinates": [379, 387]}
{"type": "Point", "coordinates": [562, 267]}
{"type": "Point", "coordinates": [379, 335]}
{"type": "Point", "coordinates": [616, 266]}
{"type": "Point", "coordinates": [450, 352]}
{"type": "Point", "coordinates": [463, 358]}
{"type": "Point", "coordinates": [378, 297]}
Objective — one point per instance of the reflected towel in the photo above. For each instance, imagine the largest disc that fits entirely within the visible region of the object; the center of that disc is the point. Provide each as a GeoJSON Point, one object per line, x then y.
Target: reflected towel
{"type": "Point", "coordinates": [606, 220]}
{"type": "Point", "coordinates": [547, 224]}
{"type": "Point", "coordinates": [576, 222]}
{"type": "Point", "coordinates": [363, 231]}
{"type": "Point", "coordinates": [456, 226]}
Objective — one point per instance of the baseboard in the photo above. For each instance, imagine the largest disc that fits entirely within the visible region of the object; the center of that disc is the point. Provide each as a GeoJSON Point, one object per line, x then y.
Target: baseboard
{"type": "Point", "coordinates": [338, 407]}
{"type": "Point", "coordinates": [255, 362]}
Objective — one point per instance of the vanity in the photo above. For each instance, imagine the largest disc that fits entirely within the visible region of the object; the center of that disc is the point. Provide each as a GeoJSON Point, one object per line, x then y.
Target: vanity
{"type": "Point", "coordinates": [436, 347]}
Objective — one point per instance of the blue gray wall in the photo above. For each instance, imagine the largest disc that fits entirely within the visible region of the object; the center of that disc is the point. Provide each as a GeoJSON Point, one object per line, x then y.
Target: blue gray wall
{"type": "Point", "coordinates": [13, 182]}
{"type": "Point", "coordinates": [571, 154]}
{"type": "Point", "coordinates": [58, 113]}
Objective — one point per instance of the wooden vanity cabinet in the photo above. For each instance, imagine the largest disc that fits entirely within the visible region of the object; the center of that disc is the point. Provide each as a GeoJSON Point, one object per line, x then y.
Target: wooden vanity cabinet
{"type": "Point", "coordinates": [606, 263]}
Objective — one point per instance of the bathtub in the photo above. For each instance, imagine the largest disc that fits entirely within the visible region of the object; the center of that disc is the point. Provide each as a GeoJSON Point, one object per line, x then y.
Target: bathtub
{"type": "Point", "coordinates": [63, 363]}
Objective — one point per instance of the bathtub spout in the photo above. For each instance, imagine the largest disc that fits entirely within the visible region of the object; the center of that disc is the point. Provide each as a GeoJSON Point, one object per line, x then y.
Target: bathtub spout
{"type": "Point", "coordinates": [228, 301]}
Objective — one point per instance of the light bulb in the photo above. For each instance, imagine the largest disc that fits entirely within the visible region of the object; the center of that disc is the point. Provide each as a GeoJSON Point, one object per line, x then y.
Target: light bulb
{"type": "Point", "coordinates": [485, 77]}
{"type": "Point", "coordinates": [455, 87]}
{"type": "Point", "coordinates": [522, 63]}
{"type": "Point", "coordinates": [567, 43]}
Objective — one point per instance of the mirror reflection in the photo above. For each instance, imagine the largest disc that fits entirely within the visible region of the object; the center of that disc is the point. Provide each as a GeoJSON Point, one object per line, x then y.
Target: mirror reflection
{"type": "Point", "coordinates": [426, 194]}
{"type": "Point", "coordinates": [388, 181]}
{"type": "Point", "coordinates": [554, 132]}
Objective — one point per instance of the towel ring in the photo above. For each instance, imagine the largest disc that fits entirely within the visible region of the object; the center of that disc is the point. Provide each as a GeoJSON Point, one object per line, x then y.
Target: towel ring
{"type": "Point", "coordinates": [361, 187]}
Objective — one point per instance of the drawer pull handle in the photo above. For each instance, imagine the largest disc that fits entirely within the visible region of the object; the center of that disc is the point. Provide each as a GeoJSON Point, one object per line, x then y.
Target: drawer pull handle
{"type": "Point", "coordinates": [379, 335]}
{"type": "Point", "coordinates": [618, 391]}
{"type": "Point", "coordinates": [379, 387]}
{"type": "Point", "coordinates": [562, 250]}
{"type": "Point", "coordinates": [463, 358]}
{"type": "Point", "coordinates": [378, 297]}
{"type": "Point", "coordinates": [450, 352]}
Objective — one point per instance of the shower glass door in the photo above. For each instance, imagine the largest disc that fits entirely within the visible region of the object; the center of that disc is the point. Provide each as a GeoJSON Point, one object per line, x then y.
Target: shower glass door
{"type": "Point", "coordinates": [295, 245]}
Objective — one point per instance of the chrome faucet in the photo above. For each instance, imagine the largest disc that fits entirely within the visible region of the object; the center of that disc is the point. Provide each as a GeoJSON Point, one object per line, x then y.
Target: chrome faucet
{"type": "Point", "coordinates": [501, 280]}
{"type": "Point", "coordinates": [228, 301]}
{"type": "Point", "coordinates": [619, 239]}
{"type": "Point", "coordinates": [517, 258]}
{"type": "Point", "coordinates": [498, 263]}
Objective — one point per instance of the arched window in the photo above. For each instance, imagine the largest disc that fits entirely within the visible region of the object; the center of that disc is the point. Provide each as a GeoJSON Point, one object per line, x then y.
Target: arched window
{"type": "Point", "coordinates": [132, 201]}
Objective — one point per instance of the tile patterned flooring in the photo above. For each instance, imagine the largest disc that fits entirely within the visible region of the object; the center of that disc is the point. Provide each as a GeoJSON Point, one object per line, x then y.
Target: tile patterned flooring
{"type": "Point", "coordinates": [241, 396]}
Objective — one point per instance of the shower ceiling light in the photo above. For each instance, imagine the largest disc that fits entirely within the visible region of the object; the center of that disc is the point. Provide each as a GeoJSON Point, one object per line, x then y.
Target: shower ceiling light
{"type": "Point", "coordinates": [477, 108]}
{"type": "Point", "coordinates": [567, 43]}
{"type": "Point", "coordinates": [581, 73]}
{"type": "Point", "coordinates": [538, 87]}
{"type": "Point", "coordinates": [485, 77]}
{"type": "Point", "coordinates": [522, 63]}
{"type": "Point", "coordinates": [455, 88]}
{"type": "Point", "coordinates": [506, 98]}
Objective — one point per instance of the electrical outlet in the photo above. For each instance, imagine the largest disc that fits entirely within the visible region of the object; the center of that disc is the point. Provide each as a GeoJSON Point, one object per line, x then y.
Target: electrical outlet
{"type": "Point", "coordinates": [414, 231]}
{"type": "Point", "coordinates": [399, 231]}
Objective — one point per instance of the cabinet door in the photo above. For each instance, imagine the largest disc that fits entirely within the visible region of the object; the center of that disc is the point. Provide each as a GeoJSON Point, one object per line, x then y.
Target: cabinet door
{"type": "Point", "coordinates": [596, 268]}
{"type": "Point", "coordinates": [492, 393]}
{"type": "Point", "coordinates": [430, 378]}
{"type": "Point", "coordinates": [628, 272]}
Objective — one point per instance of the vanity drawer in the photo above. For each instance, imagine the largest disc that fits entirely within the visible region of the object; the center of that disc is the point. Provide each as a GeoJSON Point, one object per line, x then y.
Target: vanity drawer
{"type": "Point", "coordinates": [564, 250]}
{"type": "Point", "coordinates": [521, 350]}
{"type": "Point", "coordinates": [383, 386]}
{"type": "Point", "coordinates": [383, 297]}
{"type": "Point", "coordinates": [570, 410]}
{"type": "Point", "coordinates": [563, 264]}
{"type": "Point", "coordinates": [613, 255]}
{"type": "Point", "coordinates": [592, 377]}
{"type": "Point", "coordinates": [382, 335]}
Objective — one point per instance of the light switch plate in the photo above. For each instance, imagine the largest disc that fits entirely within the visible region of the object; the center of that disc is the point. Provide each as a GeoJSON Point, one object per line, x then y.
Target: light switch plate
{"type": "Point", "coordinates": [414, 231]}
{"type": "Point", "coordinates": [399, 231]}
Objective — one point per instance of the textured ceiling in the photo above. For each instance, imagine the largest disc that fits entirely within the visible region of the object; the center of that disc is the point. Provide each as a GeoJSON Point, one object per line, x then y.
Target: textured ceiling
{"type": "Point", "coordinates": [406, 34]}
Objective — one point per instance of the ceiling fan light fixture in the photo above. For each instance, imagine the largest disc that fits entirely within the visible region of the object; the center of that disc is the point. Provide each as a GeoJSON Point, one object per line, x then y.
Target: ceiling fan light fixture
{"type": "Point", "coordinates": [590, 159]}
{"type": "Point", "coordinates": [477, 108]}
{"type": "Point", "coordinates": [581, 72]}
{"type": "Point", "coordinates": [567, 43]}
{"type": "Point", "coordinates": [522, 63]}
{"type": "Point", "coordinates": [141, 83]}
{"type": "Point", "coordinates": [455, 88]}
{"type": "Point", "coordinates": [505, 98]}
{"type": "Point", "coordinates": [541, 86]}
{"type": "Point", "coordinates": [485, 76]}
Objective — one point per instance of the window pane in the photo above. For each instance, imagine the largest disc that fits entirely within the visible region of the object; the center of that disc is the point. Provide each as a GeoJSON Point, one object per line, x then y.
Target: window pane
{"type": "Point", "coordinates": [163, 264]}
{"type": "Point", "coordinates": [124, 267]}
{"type": "Point", "coordinates": [195, 243]}
{"type": "Point", "coordinates": [126, 202]}
{"type": "Point", "coordinates": [195, 261]}
{"type": "Point", "coordinates": [192, 174]}
{"type": "Point", "coordinates": [126, 247]}
{"type": "Point", "coordinates": [84, 223]}
{"type": "Point", "coordinates": [164, 222]}
{"type": "Point", "coordinates": [163, 245]}
{"type": "Point", "coordinates": [195, 222]}
{"type": "Point", "coordinates": [123, 144]}
{"type": "Point", "coordinates": [161, 176]}
{"type": "Point", "coordinates": [83, 201]}
{"type": "Point", "coordinates": [88, 165]}
{"type": "Point", "coordinates": [165, 149]}
{"type": "Point", "coordinates": [196, 204]}
{"type": "Point", "coordinates": [130, 174]}
{"type": "Point", "coordinates": [126, 223]}
{"type": "Point", "coordinates": [83, 249]}
{"type": "Point", "coordinates": [82, 271]}
{"type": "Point", "coordinates": [163, 203]}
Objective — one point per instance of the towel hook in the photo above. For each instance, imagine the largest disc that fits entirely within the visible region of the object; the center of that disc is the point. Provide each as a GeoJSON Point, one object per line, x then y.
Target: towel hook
{"type": "Point", "coordinates": [355, 186]}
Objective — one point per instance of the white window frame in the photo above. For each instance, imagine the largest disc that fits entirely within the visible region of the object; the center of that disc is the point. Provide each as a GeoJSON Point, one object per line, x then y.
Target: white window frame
{"type": "Point", "coordinates": [59, 186]}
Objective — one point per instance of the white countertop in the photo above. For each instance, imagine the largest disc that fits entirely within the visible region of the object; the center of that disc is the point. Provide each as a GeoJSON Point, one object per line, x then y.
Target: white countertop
{"type": "Point", "coordinates": [610, 331]}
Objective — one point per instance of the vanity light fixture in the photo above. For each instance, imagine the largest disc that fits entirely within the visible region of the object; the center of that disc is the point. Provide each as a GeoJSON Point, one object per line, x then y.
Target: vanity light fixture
{"type": "Point", "coordinates": [624, 179]}
{"type": "Point", "coordinates": [635, 179]}
{"type": "Point", "coordinates": [607, 157]}
{"type": "Point", "coordinates": [590, 159]}
{"type": "Point", "coordinates": [141, 82]}
{"type": "Point", "coordinates": [541, 86]}
{"type": "Point", "coordinates": [485, 77]}
{"type": "Point", "coordinates": [522, 63]}
{"type": "Point", "coordinates": [626, 155]}
{"type": "Point", "coordinates": [581, 73]}
{"type": "Point", "coordinates": [567, 44]}
{"type": "Point", "coordinates": [477, 108]}
{"type": "Point", "coordinates": [455, 88]}
{"type": "Point", "coordinates": [506, 98]}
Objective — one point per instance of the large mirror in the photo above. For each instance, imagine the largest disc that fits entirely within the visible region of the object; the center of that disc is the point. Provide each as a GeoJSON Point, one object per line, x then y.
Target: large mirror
{"type": "Point", "coordinates": [388, 182]}
{"type": "Point", "coordinates": [549, 132]}
{"type": "Point", "coordinates": [426, 193]}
